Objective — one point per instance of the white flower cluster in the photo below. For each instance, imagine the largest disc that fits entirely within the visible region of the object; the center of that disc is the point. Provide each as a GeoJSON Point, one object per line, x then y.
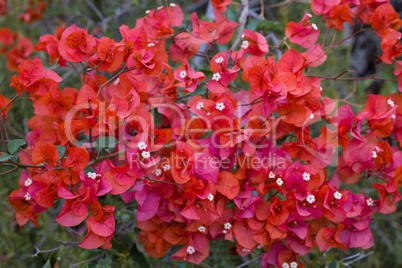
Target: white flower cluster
{"type": "Point", "coordinates": [93, 175]}
{"type": "Point", "coordinates": [28, 182]}
{"type": "Point", "coordinates": [245, 44]}
{"type": "Point", "coordinates": [190, 250]}
{"type": "Point", "coordinates": [220, 106]}
{"type": "Point", "coordinates": [216, 77]}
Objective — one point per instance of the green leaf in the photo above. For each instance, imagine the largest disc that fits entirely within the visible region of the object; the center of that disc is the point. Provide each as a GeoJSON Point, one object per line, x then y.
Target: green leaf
{"type": "Point", "coordinates": [252, 24]}
{"type": "Point", "coordinates": [266, 25]}
{"type": "Point", "coordinates": [138, 257]}
{"type": "Point", "coordinates": [157, 117]}
{"type": "Point", "coordinates": [4, 157]}
{"type": "Point", "coordinates": [333, 264]}
{"type": "Point", "coordinates": [14, 158]}
{"type": "Point", "coordinates": [61, 150]}
{"type": "Point", "coordinates": [89, 169]}
{"type": "Point", "coordinates": [105, 142]}
{"type": "Point", "coordinates": [14, 145]}
{"type": "Point", "coordinates": [47, 264]}
{"type": "Point", "coordinates": [51, 261]}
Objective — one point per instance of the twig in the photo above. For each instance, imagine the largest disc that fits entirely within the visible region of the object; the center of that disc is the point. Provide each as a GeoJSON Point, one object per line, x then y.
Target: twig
{"type": "Point", "coordinates": [63, 244]}
{"type": "Point", "coordinates": [20, 165]}
{"type": "Point", "coordinates": [242, 24]}
{"type": "Point", "coordinates": [284, 3]}
{"type": "Point", "coordinates": [97, 160]}
{"type": "Point", "coordinates": [248, 262]}
{"type": "Point", "coordinates": [8, 171]}
{"type": "Point", "coordinates": [95, 9]}
{"type": "Point", "coordinates": [78, 264]}
{"type": "Point", "coordinates": [8, 103]}
{"type": "Point", "coordinates": [370, 77]}
{"type": "Point", "coordinates": [345, 39]}
{"type": "Point", "coordinates": [165, 182]}
{"type": "Point", "coordinates": [262, 9]}
{"type": "Point", "coordinates": [78, 72]}
{"type": "Point", "coordinates": [125, 69]}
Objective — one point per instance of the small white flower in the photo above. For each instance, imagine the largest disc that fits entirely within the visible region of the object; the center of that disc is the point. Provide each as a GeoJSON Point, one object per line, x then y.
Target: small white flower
{"type": "Point", "coordinates": [219, 60]}
{"type": "Point", "coordinates": [293, 264]}
{"type": "Point", "coordinates": [370, 202]}
{"type": "Point", "coordinates": [227, 226]}
{"type": "Point", "coordinates": [166, 167]}
{"type": "Point", "coordinates": [216, 76]}
{"type": "Point", "coordinates": [310, 199]}
{"type": "Point", "coordinates": [200, 105]}
{"type": "Point", "coordinates": [245, 44]}
{"type": "Point", "coordinates": [374, 154]}
{"type": "Point", "coordinates": [158, 172]}
{"type": "Point", "coordinates": [314, 26]}
{"type": "Point", "coordinates": [285, 265]}
{"type": "Point", "coordinates": [147, 11]}
{"type": "Point", "coordinates": [271, 175]}
{"type": "Point", "coordinates": [183, 74]}
{"type": "Point", "coordinates": [220, 106]}
{"type": "Point", "coordinates": [190, 250]}
{"type": "Point", "coordinates": [28, 182]}
{"type": "Point", "coordinates": [201, 229]}
{"type": "Point", "coordinates": [172, 4]}
{"type": "Point", "coordinates": [224, 231]}
{"type": "Point", "coordinates": [311, 116]}
{"type": "Point", "coordinates": [142, 145]}
{"type": "Point", "coordinates": [152, 44]}
{"type": "Point", "coordinates": [306, 176]}
{"type": "Point", "coordinates": [210, 197]}
{"type": "Point", "coordinates": [309, 15]}
{"type": "Point", "coordinates": [245, 250]}
{"type": "Point", "coordinates": [279, 181]}
{"type": "Point", "coordinates": [146, 154]}
{"type": "Point", "coordinates": [337, 195]}
{"type": "Point", "coordinates": [91, 175]}
{"type": "Point", "coordinates": [393, 116]}
{"type": "Point", "coordinates": [27, 197]}
{"type": "Point", "coordinates": [321, 89]}
{"type": "Point", "coordinates": [390, 103]}
{"type": "Point", "coordinates": [159, 8]}
{"type": "Point", "coordinates": [242, 36]}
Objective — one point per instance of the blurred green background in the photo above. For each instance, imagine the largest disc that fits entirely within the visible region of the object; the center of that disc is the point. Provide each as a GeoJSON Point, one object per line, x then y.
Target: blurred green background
{"type": "Point", "coordinates": [50, 244]}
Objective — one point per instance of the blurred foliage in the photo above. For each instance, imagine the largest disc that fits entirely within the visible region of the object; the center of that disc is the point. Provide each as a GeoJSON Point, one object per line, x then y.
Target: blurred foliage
{"type": "Point", "coordinates": [51, 245]}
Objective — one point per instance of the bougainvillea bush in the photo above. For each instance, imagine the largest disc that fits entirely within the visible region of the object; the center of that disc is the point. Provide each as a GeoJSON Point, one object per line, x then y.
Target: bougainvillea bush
{"type": "Point", "coordinates": [249, 150]}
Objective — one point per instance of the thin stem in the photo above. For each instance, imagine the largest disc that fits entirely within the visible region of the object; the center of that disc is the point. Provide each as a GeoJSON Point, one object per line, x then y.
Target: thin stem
{"type": "Point", "coordinates": [3, 140]}
{"type": "Point", "coordinates": [78, 72]}
{"type": "Point", "coordinates": [125, 69]}
{"type": "Point", "coordinates": [356, 78]}
{"type": "Point", "coordinates": [99, 159]}
{"type": "Point", "coordinates": [248, 262]}
{"type": "Point", "coordinates": [78, 264]}
{"type": "Point", "coordinates": [286, 2]}
{"type": "Point", "coordinates": [8, 103]}
{"type": "Point", "coordinates": [8, 171]}
{"type": "Point", "coordinates": [63, 244]}
{"type": "Point", "coordinates": [165, 182]}
{"type": "Point", "coordinates": [332, 45]}
{"type": "Point", "coordinates": [20, 165]}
